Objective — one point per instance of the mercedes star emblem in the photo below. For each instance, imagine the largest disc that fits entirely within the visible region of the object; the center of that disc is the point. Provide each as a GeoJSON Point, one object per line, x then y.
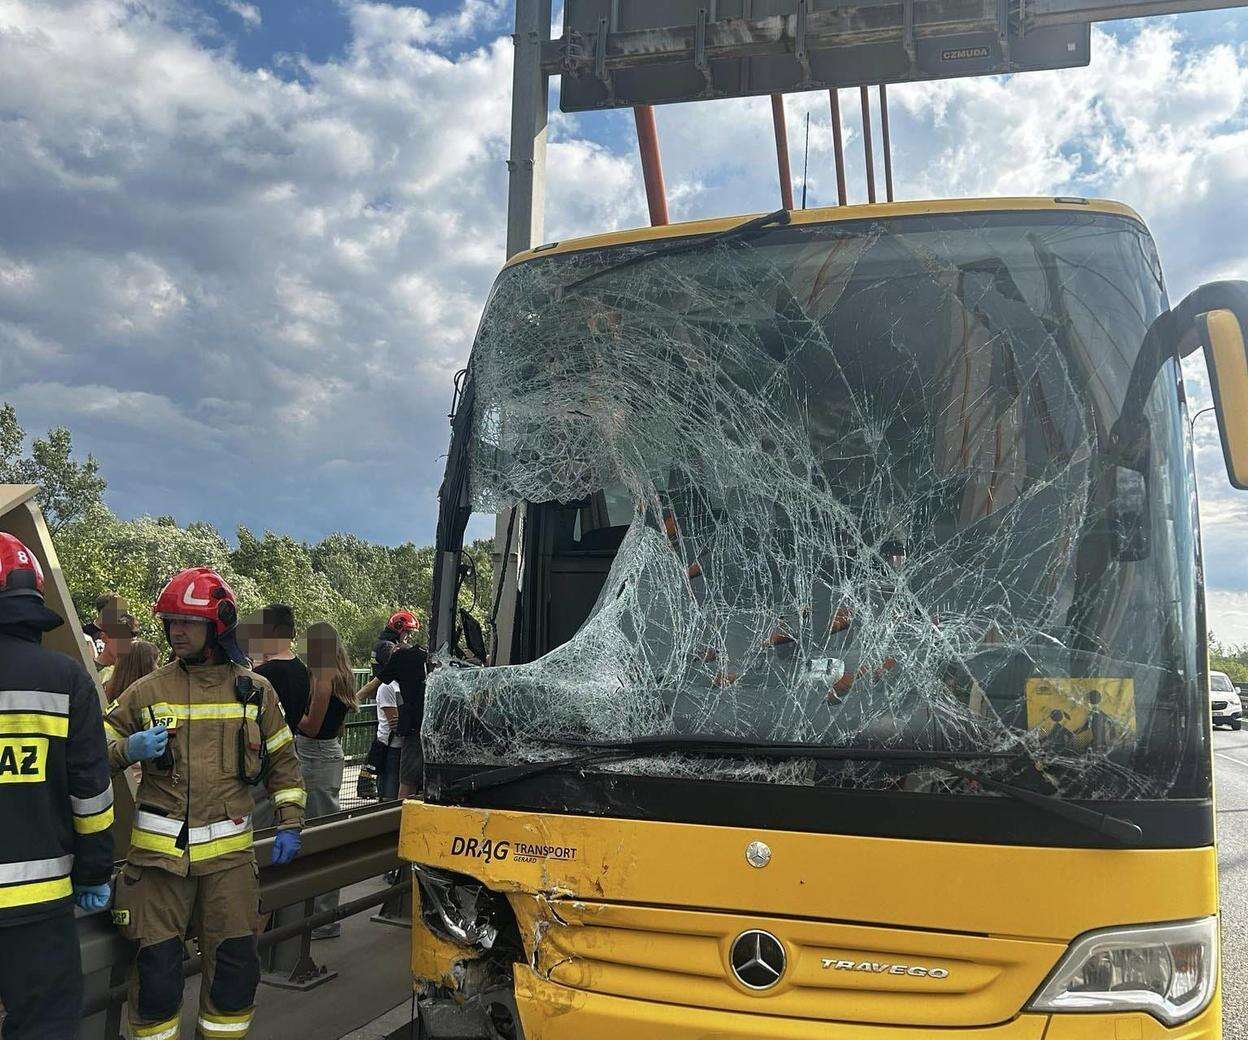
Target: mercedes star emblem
{"type": "Point", "coordinates": [757, 854]}
{"type": "Point", "coordinates": [757, 959]}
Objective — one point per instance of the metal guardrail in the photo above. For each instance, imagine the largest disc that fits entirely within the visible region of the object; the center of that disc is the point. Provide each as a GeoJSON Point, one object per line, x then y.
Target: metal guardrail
{"type": "Point", "coordinates": [193, 965]}
{"type": "Point", "coordinates": [338, 851]}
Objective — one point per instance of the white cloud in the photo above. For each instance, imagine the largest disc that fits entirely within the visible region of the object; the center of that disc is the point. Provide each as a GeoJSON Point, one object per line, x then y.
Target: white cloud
{"type": "Point", "coordinates": [1228, 616]}
{"type": "Point", "coordinates": [379, 22]}
{"type": "Point", "coordinates": [249, 13]}
{"type": "Point", "coordinates": [295, 267]}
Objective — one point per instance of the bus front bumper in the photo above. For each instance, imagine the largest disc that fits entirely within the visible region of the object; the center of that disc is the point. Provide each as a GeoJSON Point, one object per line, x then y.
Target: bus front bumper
{"type": "Point", "coordinates": [550, 1011]}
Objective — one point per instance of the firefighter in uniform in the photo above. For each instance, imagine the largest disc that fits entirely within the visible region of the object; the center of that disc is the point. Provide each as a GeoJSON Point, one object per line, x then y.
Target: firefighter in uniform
{"type": "Point", "coordinates": [205, 729]}
{"type": "Point", "coordinates": [56, 805]}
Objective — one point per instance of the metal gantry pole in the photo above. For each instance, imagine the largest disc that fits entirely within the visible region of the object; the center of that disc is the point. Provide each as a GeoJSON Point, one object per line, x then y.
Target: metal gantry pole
{"type": "Point", "coordinates": [651, 164]}
{"type": "Point", "coordinates": [838, 144]}
{"type": "Point", "coordinates": [865, 98]}
{"type": "Point", "coordinates": [886, 144]}
{"type": "Point", "coordinates": [526, 202]}
{"type": "Point", "coordinates": [782, 150]}
{"type": "Point", "coordinates": [526, 179]}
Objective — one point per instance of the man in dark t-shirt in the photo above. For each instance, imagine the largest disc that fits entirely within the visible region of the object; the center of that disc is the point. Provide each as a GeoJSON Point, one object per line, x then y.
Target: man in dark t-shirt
{"type": "Point", "coordinates": [291, 680]}
{"type": "Point", "coordinates": [281, 667]}
{"type": "Point", "coordinates": [267, 636]}
{"type": "Point", "coordinates": [407, 667]}
{"type": "Point", "coordinates": [398, 660]}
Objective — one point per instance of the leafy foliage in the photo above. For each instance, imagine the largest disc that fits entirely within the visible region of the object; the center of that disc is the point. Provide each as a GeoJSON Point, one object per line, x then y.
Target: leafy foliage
{"type": "Point", "coordinates": [68, 489]}
{"type": "Point", "coordinates": [353, 584]}
{"type": "Point", "coordinates": [1230, 659]}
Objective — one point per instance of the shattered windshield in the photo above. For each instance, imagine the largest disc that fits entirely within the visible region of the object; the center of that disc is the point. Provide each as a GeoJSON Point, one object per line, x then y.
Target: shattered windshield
{"type": "Point", "coordinates": [852, 484]}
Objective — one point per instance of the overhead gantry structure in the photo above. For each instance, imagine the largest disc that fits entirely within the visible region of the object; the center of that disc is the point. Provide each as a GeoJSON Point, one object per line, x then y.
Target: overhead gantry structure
{"type": "Point", "coordinates": [641, 53]}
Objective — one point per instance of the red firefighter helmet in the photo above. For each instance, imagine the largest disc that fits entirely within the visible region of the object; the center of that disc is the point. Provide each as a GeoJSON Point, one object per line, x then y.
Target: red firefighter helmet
{"type": "Point", "coordinates": [19, 569]}
{"type": "Point", "coordinates": [404, 621]}
{"type": "Point", "coordinates": [199, 594]}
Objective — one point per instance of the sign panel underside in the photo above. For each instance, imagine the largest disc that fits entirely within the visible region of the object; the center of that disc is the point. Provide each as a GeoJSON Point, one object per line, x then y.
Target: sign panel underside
{"type": "Point", "coordinates": [617, 53]}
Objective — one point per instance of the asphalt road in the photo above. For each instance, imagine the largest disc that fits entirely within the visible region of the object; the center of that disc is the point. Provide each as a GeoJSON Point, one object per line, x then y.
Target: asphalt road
{"type": "Point", "coordinates": [1230, 758]}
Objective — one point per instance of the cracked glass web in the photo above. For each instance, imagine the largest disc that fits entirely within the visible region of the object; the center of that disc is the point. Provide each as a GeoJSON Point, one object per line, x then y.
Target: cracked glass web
{"type": "Point", "coordinates": [866, 494]}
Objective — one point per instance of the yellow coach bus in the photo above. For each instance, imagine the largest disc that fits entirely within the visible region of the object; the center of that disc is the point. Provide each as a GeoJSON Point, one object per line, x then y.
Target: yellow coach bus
{"type": "Point", "coordinates": [848, 676]}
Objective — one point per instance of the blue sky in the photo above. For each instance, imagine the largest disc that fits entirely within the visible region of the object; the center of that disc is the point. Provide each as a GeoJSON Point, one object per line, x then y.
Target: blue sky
{"type": "Point", "coordinates": [268, 33]}
{"type": "Point", "coordinates": [244, 245]}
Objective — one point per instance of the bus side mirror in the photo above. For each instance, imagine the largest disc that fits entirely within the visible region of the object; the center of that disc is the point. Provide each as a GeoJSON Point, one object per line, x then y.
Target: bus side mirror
{"type": "Point", "coordinates": [1215, 317]}
{"type": "Point", "coordinates": [1224, 342]}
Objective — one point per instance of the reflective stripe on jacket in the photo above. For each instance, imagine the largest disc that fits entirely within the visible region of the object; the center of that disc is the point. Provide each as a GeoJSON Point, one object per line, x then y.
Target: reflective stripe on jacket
{"type": "Point", "coordinates": [35, 881]}
{"type": "Point", "coordinates": [56, 795]}
{"type": "Point", "coordinates": [210, 728]}
{"type": "Point", "coordinates": [158, 833]}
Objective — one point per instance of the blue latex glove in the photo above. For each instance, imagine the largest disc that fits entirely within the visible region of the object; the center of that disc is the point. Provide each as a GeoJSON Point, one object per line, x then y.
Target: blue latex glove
{"type": "Point", "coordinates": [147, 744]}
{"type": "Point", "coordinates": [286, 846]}
{"type": "Point", "coordinates": [91, 897]}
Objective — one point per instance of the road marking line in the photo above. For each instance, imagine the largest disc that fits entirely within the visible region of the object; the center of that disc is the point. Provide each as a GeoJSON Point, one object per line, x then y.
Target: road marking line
{"type": "Point", "coordinates": [1226, 756]}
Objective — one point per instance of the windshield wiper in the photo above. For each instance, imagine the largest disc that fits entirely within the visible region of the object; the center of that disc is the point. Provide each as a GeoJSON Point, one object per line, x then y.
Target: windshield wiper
{"type": "Point", "coordinates": [597, 752]}
{"type": "Point", "coordinates": [1103, 823]}
{"type": "Point", "coordinates": [728, 747]}
{"type": "Point", "coordinates": [739, 233]}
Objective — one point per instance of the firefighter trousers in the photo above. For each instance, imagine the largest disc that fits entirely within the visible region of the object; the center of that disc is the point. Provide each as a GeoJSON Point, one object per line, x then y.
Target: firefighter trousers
{"type": "Point", "coordinates": [159, 910]}
{"type": "Point", "coordinates": [41, 979]}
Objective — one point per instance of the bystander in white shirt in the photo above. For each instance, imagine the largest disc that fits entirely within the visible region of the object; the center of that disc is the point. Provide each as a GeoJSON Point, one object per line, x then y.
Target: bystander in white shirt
{"type": "Point", "coordinates": [388, 696]}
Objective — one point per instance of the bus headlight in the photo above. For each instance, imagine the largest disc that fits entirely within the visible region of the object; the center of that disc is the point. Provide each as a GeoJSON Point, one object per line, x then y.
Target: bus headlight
{"type": "Point", "coordinates": [1166, 970]}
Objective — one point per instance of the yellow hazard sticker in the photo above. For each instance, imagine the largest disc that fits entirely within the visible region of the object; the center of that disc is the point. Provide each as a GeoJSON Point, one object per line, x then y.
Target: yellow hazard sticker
{"type": "Point", "coordinates": [23, 760]}
{"type": "Point", "coordinates": [1094, 712]}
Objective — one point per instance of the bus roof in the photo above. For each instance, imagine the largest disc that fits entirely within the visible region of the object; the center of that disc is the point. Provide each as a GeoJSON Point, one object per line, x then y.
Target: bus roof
{"type": "Point", "coordinates": [830, 214]}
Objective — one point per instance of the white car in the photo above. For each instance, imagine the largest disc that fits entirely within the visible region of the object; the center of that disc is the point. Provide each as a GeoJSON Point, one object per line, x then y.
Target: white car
{"type": "Point", "coordinates": [1224, 699]}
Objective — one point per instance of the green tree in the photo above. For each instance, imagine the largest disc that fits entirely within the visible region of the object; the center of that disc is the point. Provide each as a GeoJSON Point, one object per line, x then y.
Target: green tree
{"type": "Point", "coordinates": [1230, 659]}
{"type": "Point", "coordinates": [281, 568]}
{"type": "Point", "coordinates": [352, 583]}
{"type": "Point", "coordinates": [67, 489]}
{"type": "Point", "coordinates": [11, 438]}
{"type": "Point", "coordinates": [135, 558]}
{"type": "Point", "coordinates": [357, 569]}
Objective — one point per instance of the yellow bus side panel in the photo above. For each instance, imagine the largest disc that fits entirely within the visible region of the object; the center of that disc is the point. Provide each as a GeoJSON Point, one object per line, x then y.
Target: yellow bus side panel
{"type": "Point", "coordinates": [996, 890]}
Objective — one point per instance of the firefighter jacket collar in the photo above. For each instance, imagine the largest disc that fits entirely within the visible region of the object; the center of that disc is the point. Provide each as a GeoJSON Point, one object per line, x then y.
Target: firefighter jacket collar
{"type": "Point", "coordinates": [27, 617]}
{"type": "Point", "coordinates": [207, 676]}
